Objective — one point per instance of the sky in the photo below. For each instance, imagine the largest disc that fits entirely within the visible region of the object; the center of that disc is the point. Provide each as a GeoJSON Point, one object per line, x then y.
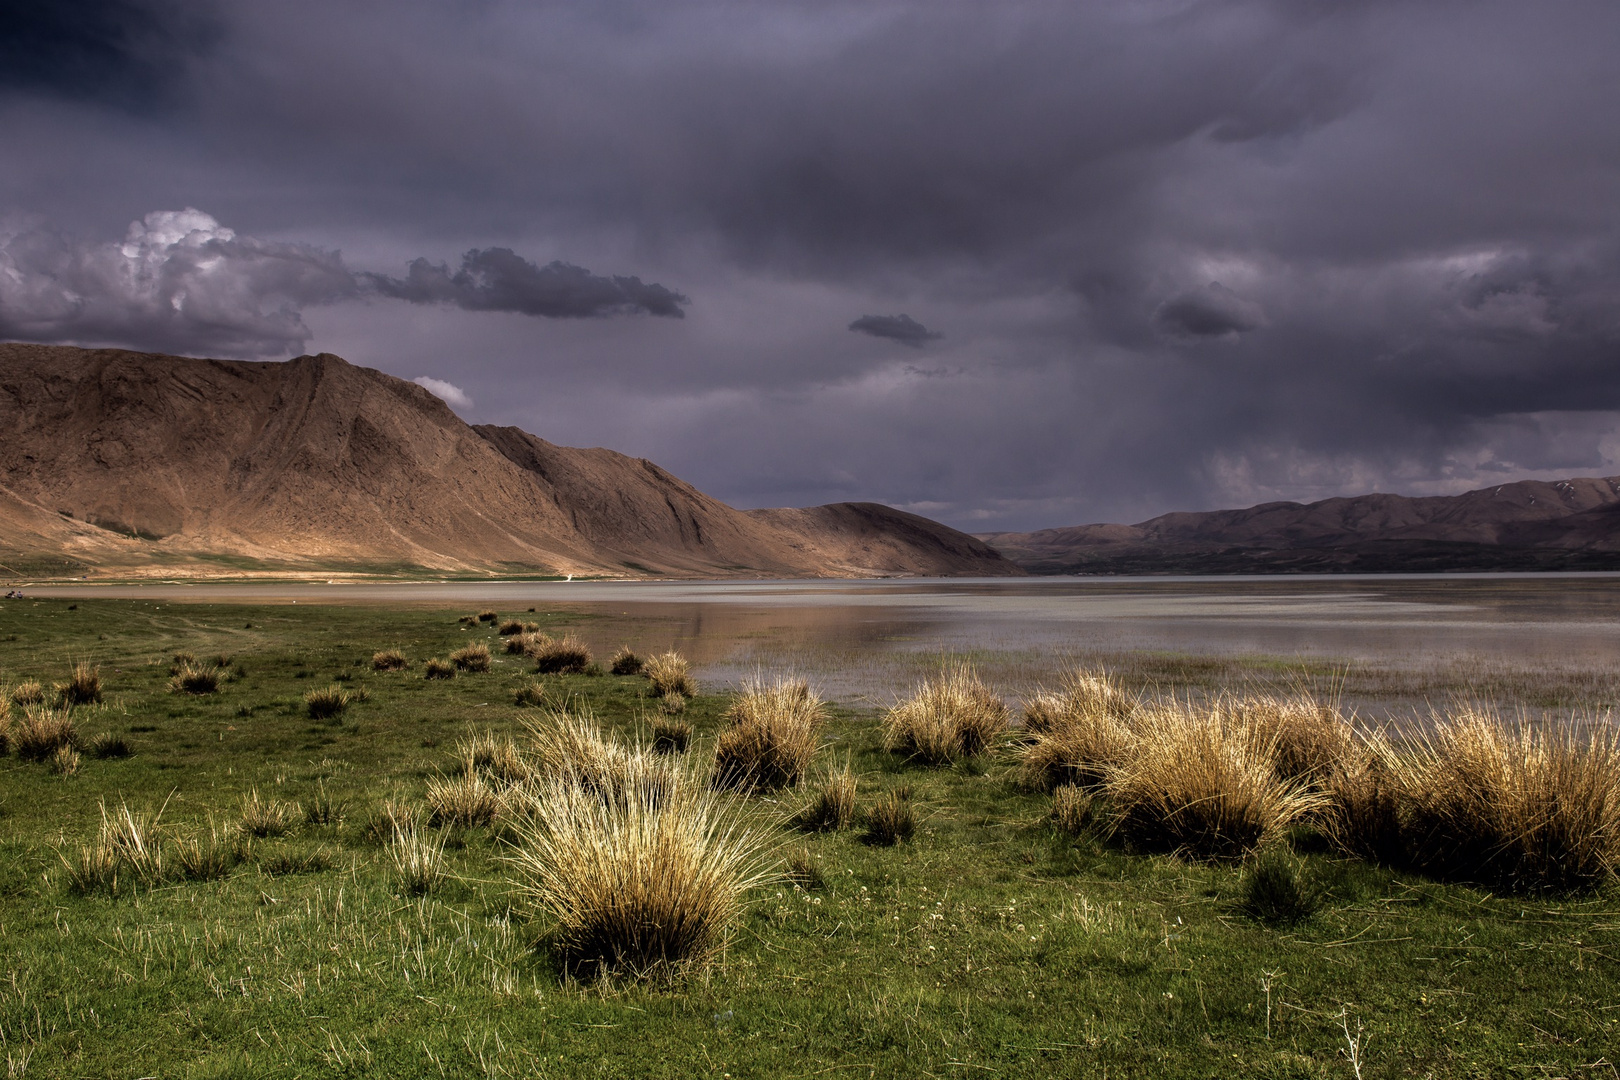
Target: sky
{"type": "Point", "coordinates": [1010, 265]}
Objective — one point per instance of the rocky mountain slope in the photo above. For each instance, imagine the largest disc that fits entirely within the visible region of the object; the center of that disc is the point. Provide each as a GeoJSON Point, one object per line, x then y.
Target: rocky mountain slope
{"type": "Point", "coordinates": [1528, 525]}
{"type": "Point", "coordinates": [134, 463]}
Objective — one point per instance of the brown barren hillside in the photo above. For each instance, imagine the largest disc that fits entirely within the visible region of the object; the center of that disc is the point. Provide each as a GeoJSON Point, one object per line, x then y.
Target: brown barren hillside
{"type": "Point", "coordinates": [1527, 525]}
{"type": "Point", "coordinates": [132, 463]}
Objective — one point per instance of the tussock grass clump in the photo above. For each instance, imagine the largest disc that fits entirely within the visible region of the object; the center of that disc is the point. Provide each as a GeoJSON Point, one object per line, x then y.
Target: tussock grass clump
{"type": "Point", "coordinates": [1364, 811]}
{"type": "Point", "coordinates": [418, 858]}
{"type": "Point", "coordinates": [471, 658]}
{"type": "Point", "coordinates": [1277, 890]}
{"type": "Point", "coordinates": [180, 660]}
{"type": "Point", "coordinates": [772, 733]}
{"type": "Point", "coordinates": [92, 869]}
{"type": "Point", "coordinates": [671, 736]}
{"type": "Point", "coordinates": [669, 673]}
{"type": "Point", "coordinates": [464, 799]}
{"type": "Point", "coordinates": [393, 818]}
{"type": "Point", "coordinates": [891, 820]}
{"type": "Point", "coordinates": [389, 660]}
{"type": "Point", "coordinates": [435, 668]}
{"type": "Point", "coordinates": [672, 704]}
{"type": "Point", "coordinates": [327, 702]}
{"type": "Point", "coordinates": [82, 688]}
{"type": "Point", "coordinates": [324, 809]}
{"type": "Point", "coordinates": [208, 858]}
{"type": "Point", "coordinates": [41, 732]}
{"type": "Point", "coordinates": [530, 695]}
{"type": "Point", "coordinates": [65, 762]}
{"type": "Point", "coordinates": [520, 644]}
{"type": "Point", "coordinates": [646, 885]}
{"type": "Point", "coordinates": [1076, 735]}
{"type": "Point", "coordinates": [571, 747]}
{"type": "Point", "coordinates": [1073, 808]}
{"type": "Point", "coordinates": [1202, 782]}
{"type": "Point", "coordinates": [832, 806]}
{"type": "Point", "coordinates": [488, 616]}
{"type": "Point", "coordinates": [802, 871]}
{"type": "Point", "coordinates": [134, 839]}
{"type": "Point", "coordinates": [951, 716]}
{"type": "Point", "coordinates": [107, 745]}
{"type": "Point", "coordinates": [267, 817]}
{"type": "Point", "coordinates": [511, 627]}
{"type": "Point", "coordinates": [564, 656]}
{"type": "Point", "coordinates": [495, 758]}
{"type": "Point", "coordinates": [1513, 806]}
{"type": "Point", "coordinates": [624, 662]}
{"type": "Point", "coordinates": [196, 679]}
{"type": "Point", "coordinates": [27, 693]}
{"type": "Point", "coordinates": [1311, 737]}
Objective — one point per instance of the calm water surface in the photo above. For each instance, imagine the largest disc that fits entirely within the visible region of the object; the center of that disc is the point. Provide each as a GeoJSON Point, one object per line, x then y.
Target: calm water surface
{"type": "Point", "coordinates": [856, 638]}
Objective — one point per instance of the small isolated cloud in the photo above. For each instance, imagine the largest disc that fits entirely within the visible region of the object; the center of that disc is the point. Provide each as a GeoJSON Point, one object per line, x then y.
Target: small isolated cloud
{"type": "Point", "coordinates": [450, 393]}
{"type": "Point", "coordinates": [498, 279]}
{"type": "Point", "coordinates": [1215, 311]}
{"type": "Point", "coordinates": [179, 282]}
{"type": "Point", "coordinates": [901, 328]}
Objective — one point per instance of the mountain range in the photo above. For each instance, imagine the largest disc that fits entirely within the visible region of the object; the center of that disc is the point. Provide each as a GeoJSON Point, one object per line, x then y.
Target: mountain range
{"type": "Point", "coordinates": [118, 463]}
{"type": "Point", "coordinates": [1527, 525]}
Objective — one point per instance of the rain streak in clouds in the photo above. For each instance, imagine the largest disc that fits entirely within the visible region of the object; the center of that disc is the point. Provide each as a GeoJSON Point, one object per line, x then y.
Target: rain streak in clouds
{"type": "Point", "coordinates": [1184, 254]}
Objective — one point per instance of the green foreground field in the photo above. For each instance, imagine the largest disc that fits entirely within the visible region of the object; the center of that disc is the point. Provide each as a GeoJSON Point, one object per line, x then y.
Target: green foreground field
{"type": "Point", "coordinates": [990, 945]}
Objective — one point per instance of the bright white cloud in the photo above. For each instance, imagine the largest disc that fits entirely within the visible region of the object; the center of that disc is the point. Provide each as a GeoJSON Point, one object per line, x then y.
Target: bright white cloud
{"type": "Point", "coordinates": [448, 392]}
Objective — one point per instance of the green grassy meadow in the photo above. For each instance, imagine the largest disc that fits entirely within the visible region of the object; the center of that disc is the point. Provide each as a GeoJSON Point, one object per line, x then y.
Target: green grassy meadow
{"type": "Point", "coordinates": [991, 944]}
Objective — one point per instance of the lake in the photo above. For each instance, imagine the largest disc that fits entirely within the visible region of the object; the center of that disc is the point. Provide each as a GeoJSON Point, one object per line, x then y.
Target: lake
{"type": "Point", "coordinates": [1389, 643]}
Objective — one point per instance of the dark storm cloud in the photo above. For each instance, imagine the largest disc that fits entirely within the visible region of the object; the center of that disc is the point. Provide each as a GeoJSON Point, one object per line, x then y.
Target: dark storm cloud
{"type": "Point", "coordinates": [1410, 210]}
{"type": "Point", "coordinates": [1212, 312]}
{"type": "Point", "coordinates": [179, 282]}
{"type": "Point", "coordinates": [497, 279]}
{"type": "Point", "coordinates": [124, 52]}
{"type": "Point", "coordinates": [901, 328]}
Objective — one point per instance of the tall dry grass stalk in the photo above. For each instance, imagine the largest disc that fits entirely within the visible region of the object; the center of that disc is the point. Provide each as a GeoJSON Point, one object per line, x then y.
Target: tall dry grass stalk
{"type": "Point", "coordinates": [1203, 782]}
{"type": "Point", "coordinates": [418, 858]}
{"type": "Point", "coordinates": [772, 733]}
{"type": "Point", "coordinates": [648, 884]}
{"type": "Point", "coordinates": [1078, 734]}
{"type": "Point", "coordinates": [951, 716]}
{"type": "Point", "coordinates": [1510, 805]}
{"type": "Point", "coordinates": [669, 673]}
{"type": "Point", "coordinates": [1365, 803]}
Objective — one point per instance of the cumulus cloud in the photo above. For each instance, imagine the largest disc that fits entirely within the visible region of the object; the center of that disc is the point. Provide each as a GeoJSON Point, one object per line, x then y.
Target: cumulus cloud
{"type": "Point", "coordinates": [901, 328]}
{"type": "Point", "coordinates": [447, 392]}
{"type": "Point", "coordinates": [179, 282]}
{"type": "Point", "coordinates": [498, 279]}
{"type": "Point", "coordinates": [1215, 311]}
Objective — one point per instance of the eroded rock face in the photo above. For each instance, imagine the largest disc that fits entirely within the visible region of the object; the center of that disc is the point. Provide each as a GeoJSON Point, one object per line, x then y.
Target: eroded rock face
{"type": "Point", "coordinates": [117, 458]}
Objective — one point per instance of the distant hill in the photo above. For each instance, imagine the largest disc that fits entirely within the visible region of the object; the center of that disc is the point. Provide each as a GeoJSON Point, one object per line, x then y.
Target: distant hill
{"type": "Point", "coordinates": [126, 463]}
{"type": "Point", "coordinates": [1528, 525]}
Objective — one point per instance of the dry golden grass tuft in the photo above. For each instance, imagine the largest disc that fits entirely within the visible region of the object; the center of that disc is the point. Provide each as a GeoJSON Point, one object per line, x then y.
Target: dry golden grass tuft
{"type": "Point", "coordinates": [471, 658]}
{"type": "Point", "coordinates": [570, 746]}
{"type": "Point", "coordinates": [950, 717]}
{"type": "Point", "coordinates": [394, 817]}
{"type": "Point", "coordinates": [672, 704]}
{"type": "Point", "coordinates": [464, 799]}
{"type": "Point", "coordinates": [41, 732]}
{"type": "Point", "coordinates": [418, 858]}
{"type": "Point", "coordinates": [200, 857]}
{"type": "Point", "coordinates": [521, 644]}
{"type": "Point", "coordinates": [625, 662]}
{"type": "Point", "coordinates": [1515, 807]}
{"type": "Point", "coordinates": [435, 668]}
{"type": "Point", "coordinates": [1312, 737]}
{"type": "Point", "coordinates": [1078, 734]}
{"type": "Point", "coordinates": [1202, 782]}
{"type": "Point", "coordinates": [564, 656]}
{"type": "Point", "coordinates": [832, 806]}
{"type": "Point", "coordinates": [27, 693]}
{"type": "Point", "coordinates": [82, 688]}
{"type": "Point", "coordinates": [106, 746]}
{"type": "Point", "coordinates": [495, 758]}
{"type": "Point", "coordinates": [891, 820]}
{"type": "Point", "coordinates": [65, 762]}
{"type": "Point", "coordinates": [1072, 809]}
{"type": "Point", "coordinates": [488, 616]}
{"type": "Point", "coordinates": [511, 627]}
{"type": "Point", "coordinates": [196, 679]}
{"type": "Point", "coordinates": [772, 733]}
{"type": "Point", "coordinates": [671, 736]}
{"type": "Point", "coordinates": [389, 660]}
{"type": "Point", "coordinates": [327, 702]}
{"type": "Point", "coordinates": [267, 817]}
{"type": "Point", "coordinates": [669, 673]}
{"type": "Point", "coordinates": [650, 884]}
{"type": "Point", "coordinates": [1363, 815]}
